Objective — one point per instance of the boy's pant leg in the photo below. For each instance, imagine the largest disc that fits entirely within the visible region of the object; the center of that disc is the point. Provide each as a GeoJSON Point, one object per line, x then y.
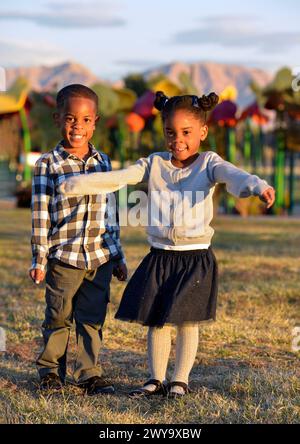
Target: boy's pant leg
{"type": "Point", "coordinates": [89, 312]}
{"type": "Point", "coordinates": [62, 283]}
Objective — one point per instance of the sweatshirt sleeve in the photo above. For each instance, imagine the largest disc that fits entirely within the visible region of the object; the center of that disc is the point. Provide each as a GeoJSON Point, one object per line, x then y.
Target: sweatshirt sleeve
{"type": "Point", "coordinates": [238, 182]}
{"type": "Point", "coordinates": [107, 182]}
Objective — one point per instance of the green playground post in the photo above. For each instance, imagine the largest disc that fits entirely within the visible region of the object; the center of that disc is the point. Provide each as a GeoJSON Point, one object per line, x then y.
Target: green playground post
{"type": "Point", "coordinates": [279, 174]}
{"type": "Point", "coordinates": [231, 157]}
{"type": "Point", "coordinates": [26, 143]}
{"type": "Point", "coordinates": [261, 141]}
{"type": "Point", "coordinates": [257, 147]}
{"type": "Point", "coordinates": [231, 145]}
{"type": "Point", "coordinates": [212, 142]}
{"type": "Point", "coordinates": [247, 144]}
{"type": "Point", "coordinates": [292, 182]}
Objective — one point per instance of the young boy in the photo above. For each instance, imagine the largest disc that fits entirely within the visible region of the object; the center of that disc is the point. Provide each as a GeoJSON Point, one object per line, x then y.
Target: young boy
{"type": "Point", "coordinates": [71, 236]}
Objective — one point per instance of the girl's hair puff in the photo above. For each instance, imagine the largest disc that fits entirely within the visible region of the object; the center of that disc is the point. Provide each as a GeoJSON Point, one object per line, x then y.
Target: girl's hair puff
{"type": "Point", "coordinates": [198, 106]}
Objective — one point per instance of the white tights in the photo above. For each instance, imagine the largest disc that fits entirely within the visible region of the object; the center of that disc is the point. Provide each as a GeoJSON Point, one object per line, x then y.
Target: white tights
{"type": "Point", "coordinates": [159, 347]}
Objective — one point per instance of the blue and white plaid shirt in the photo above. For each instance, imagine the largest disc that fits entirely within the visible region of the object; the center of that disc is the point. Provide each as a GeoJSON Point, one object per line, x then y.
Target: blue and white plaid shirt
{"type": "Point", "coordinates": [75, 230]}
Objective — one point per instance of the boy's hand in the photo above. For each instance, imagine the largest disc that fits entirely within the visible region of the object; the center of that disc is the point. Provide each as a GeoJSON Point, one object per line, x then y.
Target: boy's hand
{"type": "Point", "coordinates": [37, 275]}
{"type": "Point", "coordinates": [268, 196]}
{"type": "Point", "coordinates": [120, 272]}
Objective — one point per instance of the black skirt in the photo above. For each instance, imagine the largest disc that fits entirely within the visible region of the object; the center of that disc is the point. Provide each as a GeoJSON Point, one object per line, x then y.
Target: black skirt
{"type": "Point", "coordinates": [172, 287]}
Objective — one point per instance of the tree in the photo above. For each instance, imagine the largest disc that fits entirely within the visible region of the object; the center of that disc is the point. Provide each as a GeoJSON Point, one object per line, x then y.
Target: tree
{"type": "Point", "coordinates": [136, 83]}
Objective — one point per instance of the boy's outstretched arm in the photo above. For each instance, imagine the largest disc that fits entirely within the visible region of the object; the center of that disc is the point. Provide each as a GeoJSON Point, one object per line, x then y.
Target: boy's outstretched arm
{"type": "Point", "coordinates": [111, 238]}
{"type": "Point", "coordinates": [42, 189]}
{"type": "Point", "coordinates": [106, 182]}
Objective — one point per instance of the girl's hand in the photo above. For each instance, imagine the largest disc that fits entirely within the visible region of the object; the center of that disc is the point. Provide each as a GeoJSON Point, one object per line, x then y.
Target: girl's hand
{"type": "Point", "coordinates": [268, 196]}
{"type": "Point", "coordinates": [73, 186]}
{"type": "Point", "coordinates": [66, 187]}
{"type": "Point", "coordinates": [120, 272]}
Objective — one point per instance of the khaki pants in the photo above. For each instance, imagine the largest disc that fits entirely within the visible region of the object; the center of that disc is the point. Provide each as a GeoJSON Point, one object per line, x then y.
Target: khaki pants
{"type": "Point", "coordinates": [77, 294]}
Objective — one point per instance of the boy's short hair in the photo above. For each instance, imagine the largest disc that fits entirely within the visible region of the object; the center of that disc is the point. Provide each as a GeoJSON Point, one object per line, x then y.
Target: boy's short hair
{"type": "Point", "coordinates": [75, 90]}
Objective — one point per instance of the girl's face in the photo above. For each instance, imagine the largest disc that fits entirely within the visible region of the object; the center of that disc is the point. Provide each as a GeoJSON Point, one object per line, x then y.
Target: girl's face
{"type": "Point", "coordinates": [184, 134]}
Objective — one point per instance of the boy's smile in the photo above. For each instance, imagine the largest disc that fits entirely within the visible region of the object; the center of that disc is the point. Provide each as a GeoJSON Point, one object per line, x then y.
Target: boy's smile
{"type": "Point", "coordinates": [76, 121]}
{"type": "Point", "coordinates": [184, 133]}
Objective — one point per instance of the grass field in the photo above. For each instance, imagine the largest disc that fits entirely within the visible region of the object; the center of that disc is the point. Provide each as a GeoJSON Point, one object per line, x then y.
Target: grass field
{"type": "Point", "coordinates": [245, 371]}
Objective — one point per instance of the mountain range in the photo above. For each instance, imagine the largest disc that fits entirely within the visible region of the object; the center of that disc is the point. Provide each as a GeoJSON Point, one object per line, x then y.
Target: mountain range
{"type": "Point", "coordinates": [49, 78]}
{"type": "Point", "coordinates": [206, 76]}
{"type": "Point", "coordinates": [211, 76]}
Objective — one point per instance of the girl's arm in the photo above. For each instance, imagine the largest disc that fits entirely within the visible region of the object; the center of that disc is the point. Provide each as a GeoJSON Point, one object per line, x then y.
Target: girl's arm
{"type": "Point", "coordinates": [106, 182]}
{"type": "Point", "coordinates": [238, 182]}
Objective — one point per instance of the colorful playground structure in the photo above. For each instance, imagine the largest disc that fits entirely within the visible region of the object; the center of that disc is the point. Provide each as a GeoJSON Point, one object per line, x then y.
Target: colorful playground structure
{"type": "Point", "coordinates": [263, 138]}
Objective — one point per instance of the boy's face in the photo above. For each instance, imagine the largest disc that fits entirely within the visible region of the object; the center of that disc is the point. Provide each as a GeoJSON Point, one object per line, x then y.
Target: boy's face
{"type": "Point", "coordinates": [76, 121]}
{"type": "Point", "coordinates": [184, 134]}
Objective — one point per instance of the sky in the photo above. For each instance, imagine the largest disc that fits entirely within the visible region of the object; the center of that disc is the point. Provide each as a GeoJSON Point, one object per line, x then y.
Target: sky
{"type": "Point", "coordinates": [115, 37]}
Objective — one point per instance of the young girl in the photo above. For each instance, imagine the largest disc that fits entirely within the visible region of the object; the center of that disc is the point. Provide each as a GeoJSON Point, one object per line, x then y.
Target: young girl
{"type": "Point", "coordinates": [176, 283]}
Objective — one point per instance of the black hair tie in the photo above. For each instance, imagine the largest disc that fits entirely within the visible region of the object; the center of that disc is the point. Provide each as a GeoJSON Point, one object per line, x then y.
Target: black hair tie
{"type": "Point", "coordinates": [160, 100]}
{"type": "Point", "coordinates": [164, 101]}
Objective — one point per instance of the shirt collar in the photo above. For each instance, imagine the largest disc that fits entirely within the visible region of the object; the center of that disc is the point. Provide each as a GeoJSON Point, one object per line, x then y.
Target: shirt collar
{"type": "Point", "coordinates": [65, 154]}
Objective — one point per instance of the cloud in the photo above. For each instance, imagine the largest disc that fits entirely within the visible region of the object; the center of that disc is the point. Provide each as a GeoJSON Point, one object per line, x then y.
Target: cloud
{"type": "Point", "coordinates": [70, 15]}
{"type": "Point", "coordinates": [28, 53]}
{"type": "Point", "coordinates": [237, 32]}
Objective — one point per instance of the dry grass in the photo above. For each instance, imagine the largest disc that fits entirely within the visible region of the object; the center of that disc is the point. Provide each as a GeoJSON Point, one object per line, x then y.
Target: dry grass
{"type": "Point", "coordinates": [245, 371]}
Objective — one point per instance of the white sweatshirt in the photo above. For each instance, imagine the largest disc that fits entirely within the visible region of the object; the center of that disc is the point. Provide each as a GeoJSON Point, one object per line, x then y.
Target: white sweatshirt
{"type": "Point", "coordinates": [180, 204]}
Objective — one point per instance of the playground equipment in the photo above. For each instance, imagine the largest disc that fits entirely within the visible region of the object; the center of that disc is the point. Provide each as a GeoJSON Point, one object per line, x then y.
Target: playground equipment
{"type": "Point", "coordinates": [253, 144]}
{"type": "Point", "coordinates": [130, 127]}
{"type": "Point", "coordinates": [16, 102]}
{"type": "Point", "coordinates": [222, 122]}
{"type": "Point", "coordinates": [281, 95]}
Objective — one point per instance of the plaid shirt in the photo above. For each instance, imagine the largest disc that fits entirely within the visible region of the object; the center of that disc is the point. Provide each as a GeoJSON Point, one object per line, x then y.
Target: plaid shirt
{"type": "Point", "coordinates": [75, 230]}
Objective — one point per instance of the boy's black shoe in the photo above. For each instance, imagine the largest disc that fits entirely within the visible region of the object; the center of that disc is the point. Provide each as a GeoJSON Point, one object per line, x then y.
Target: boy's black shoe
{"type": "Point", "coordinates": [50, 382]}
{"type": "Point", "coordinates": [97, 386]}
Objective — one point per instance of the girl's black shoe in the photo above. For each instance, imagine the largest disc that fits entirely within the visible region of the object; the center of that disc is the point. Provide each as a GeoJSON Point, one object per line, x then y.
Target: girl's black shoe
{"type": "Point", "coordinates": [160, 389]}
{"type": "Point", "coordinates": [173, 395]}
